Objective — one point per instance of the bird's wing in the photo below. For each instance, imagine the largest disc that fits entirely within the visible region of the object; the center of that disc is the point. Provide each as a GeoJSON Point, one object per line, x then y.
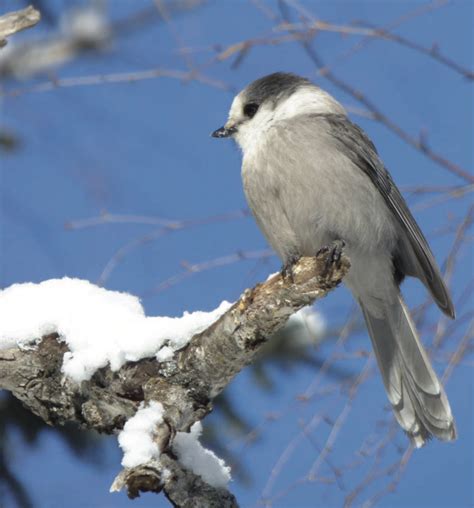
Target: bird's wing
{"type": "Point", "coordinates": [413, 256]}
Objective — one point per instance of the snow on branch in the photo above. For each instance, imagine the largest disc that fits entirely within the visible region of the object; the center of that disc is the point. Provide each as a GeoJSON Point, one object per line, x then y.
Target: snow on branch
{"type": "Point", "coordinates": [15, 21]}
{"type": "Point", "coordinates": [96, 324]}
{"type": "Point", "coordinates": [74, 352]}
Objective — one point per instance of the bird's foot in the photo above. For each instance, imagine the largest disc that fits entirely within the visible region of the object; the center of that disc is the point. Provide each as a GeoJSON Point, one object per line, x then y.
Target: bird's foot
{"type": "Point", "coordinates": [334, 253]}
{"type": "Point", "coordinates": [287, 268]}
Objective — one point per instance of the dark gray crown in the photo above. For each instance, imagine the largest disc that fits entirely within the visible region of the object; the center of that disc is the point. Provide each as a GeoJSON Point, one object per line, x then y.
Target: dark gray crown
{"type": "Point", "coordinates": [274, 86]}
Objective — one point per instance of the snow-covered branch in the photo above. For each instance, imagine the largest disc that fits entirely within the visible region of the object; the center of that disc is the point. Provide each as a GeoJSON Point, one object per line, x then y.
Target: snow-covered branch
{"type": "Point", "coordinates": [100, 362]}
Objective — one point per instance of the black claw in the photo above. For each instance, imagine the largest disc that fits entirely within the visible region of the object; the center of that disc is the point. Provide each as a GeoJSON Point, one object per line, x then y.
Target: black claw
{"type": "Point", "coordinates": [334, 250]}
{"type": "Point", "coordinates": [323, 250]}
{"type": "Point", "coordinates": [287, 268]}
{"type": "Point", "coordinates": [338, 247]}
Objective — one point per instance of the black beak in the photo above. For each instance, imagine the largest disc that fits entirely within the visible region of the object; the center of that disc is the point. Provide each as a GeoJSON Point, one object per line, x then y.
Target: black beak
{"type": "Point", "coordinates": [224, 132]}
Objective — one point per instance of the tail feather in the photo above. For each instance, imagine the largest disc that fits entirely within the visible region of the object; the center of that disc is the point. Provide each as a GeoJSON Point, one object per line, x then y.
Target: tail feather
{"type": "Point", "coordinates": [417, 396]}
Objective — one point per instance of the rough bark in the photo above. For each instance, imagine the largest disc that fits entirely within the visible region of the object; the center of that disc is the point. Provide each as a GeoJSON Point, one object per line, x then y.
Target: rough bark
{"type": "Point", "coordinates": [15, 21]}
{"type": "Point", "coordinates": [185, 385]}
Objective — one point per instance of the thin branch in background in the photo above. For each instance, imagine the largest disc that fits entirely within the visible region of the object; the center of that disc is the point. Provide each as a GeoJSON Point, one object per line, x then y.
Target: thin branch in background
{"type": "Point", "coordinates": [167, 228]}
{"type": "Point", "coordinates": [138, 19]}
{"type": "Point", "coordinates": [461, 351]}
{"type": "Point", "coordinates": [296, 32]}
{"type": "Point", "coordinates": [449, 268]}
{"type": "Point", "coordinates": [458, 241]}
{"type": "Point", "coordinates": [463, 298]}
{"type": "Point", "coordinates": [265, 9]}
{"type": "Point", "coordinates": [284, 457]}
{"type": "Point", "coordinates": [341, 419]}
{"type": "Point", "coordinates": [379, 116]}
{"type": "Point", "coordinates": [191, 269]}
{"type": "Point", "coordinates": [120, 254]}
{"type": "Point", "coordinates": [372, 31]}
{"type": "Point", "coordinates": [450, 334]}
{"type": "Point", "coordinates": [458, 192]}
{"type": "Point", "coordinates": [377, 470]}
{"type": "Point", "coordinates": [336, 471]}
{"type": "Point", "coordinates": [310, 391]}
{"type": "Point", "coordinates": [113, 218]}
{"type": "Point", "coordinates": [337, 425]}
{"type": "Point", "coordinates": [365, 41]}
{"type": "Point", "coordinates": [162, 8]}
{"type": "Point", "coordinates": [390, 487]}
{"type": "Point", "coordinates": [119, 77]}
{"type": "Point", "coordinates": [343, 336]}
{"type": "Point", "coordinates": [432, 52]}
{"type": "Point", "coordinates": [172, 224]}
{"type": "Point", "coordinates": [309, 29]}
{"type": "Point", "coordinates": [430, 189]}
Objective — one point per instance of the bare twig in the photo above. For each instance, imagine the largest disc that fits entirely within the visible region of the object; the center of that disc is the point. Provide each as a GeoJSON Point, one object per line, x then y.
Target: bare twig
{"type": "Point", "coordinates": [172, 224]}
{"type": "Point", "coordinates": [418, 11]}
{"type": "Point", "coordinates": [370, 31]}
{"type": "Point", "coordinates": [193, 268]}
{"type": "Point", "coordinates": [167, 226]}
{"type": "Point", "coordinates": [118, 77]}
{"type": "Point", "coordinates": [432, 52]}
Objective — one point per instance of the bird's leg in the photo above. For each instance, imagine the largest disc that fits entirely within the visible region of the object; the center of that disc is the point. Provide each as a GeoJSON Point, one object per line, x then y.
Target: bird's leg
{"type": "Point", "coordinates": [334, 250]}
{"type": "Point", "coordinates": [287, 268]}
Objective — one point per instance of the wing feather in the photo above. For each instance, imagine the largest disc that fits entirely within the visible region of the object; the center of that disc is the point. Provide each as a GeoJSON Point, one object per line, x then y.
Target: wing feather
{"type": "Point", "coordinates": [414, 256]}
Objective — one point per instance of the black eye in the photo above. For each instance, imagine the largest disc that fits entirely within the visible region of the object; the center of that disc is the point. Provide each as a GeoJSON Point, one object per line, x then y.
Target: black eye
{"type": "Point", "coordinates": [250, 109]}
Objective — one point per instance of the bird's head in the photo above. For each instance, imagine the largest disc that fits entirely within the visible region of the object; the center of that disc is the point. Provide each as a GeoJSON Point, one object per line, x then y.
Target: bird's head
{"type": "Point", "coordinates": [271, 99]}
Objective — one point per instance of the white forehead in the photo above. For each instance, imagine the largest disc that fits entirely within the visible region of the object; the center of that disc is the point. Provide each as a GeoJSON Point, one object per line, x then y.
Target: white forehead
{"type": "Point", "coordinates": [236, 106]}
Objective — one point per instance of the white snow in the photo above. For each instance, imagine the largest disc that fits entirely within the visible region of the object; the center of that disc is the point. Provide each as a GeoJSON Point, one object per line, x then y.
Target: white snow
{"type": "Point", "coordinates": [136, 438]}
{"type": "Point", "coordinates": [165, 354]}
{"type": "Point", "coordinates": [100, 327]}
{"type": "Point", "coordinates": [138, 445]}
{"type": "Point", "coordinates": [205, 463]}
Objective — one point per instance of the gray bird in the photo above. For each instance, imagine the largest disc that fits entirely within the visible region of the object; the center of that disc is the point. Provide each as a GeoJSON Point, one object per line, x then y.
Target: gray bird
{"type": "Point", "coordinates": [312, 179]}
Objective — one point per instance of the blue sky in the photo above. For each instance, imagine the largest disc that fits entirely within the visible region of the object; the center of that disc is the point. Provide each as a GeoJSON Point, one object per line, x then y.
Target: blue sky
{"type": "Point", "coordinates": [144, 149]}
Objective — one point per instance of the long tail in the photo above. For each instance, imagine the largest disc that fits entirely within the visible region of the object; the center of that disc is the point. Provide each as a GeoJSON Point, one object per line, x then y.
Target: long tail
{"type": "Point", "coordinates": [417, 397]}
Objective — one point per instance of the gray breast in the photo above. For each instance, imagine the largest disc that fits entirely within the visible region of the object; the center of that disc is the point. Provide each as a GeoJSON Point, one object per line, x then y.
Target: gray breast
{"type": "Point", "coordinates": [304, 192]}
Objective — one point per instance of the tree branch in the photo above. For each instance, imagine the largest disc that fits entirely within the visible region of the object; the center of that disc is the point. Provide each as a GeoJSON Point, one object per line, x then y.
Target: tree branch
{"type": "Point", "coordinates": [185, 385]}
{"type": "Point", "coordinates": [15, 21]}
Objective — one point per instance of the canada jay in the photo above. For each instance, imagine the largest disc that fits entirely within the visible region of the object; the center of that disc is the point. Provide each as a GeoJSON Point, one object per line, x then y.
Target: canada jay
{"type": "Point", "coordinates": [312, 178]}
